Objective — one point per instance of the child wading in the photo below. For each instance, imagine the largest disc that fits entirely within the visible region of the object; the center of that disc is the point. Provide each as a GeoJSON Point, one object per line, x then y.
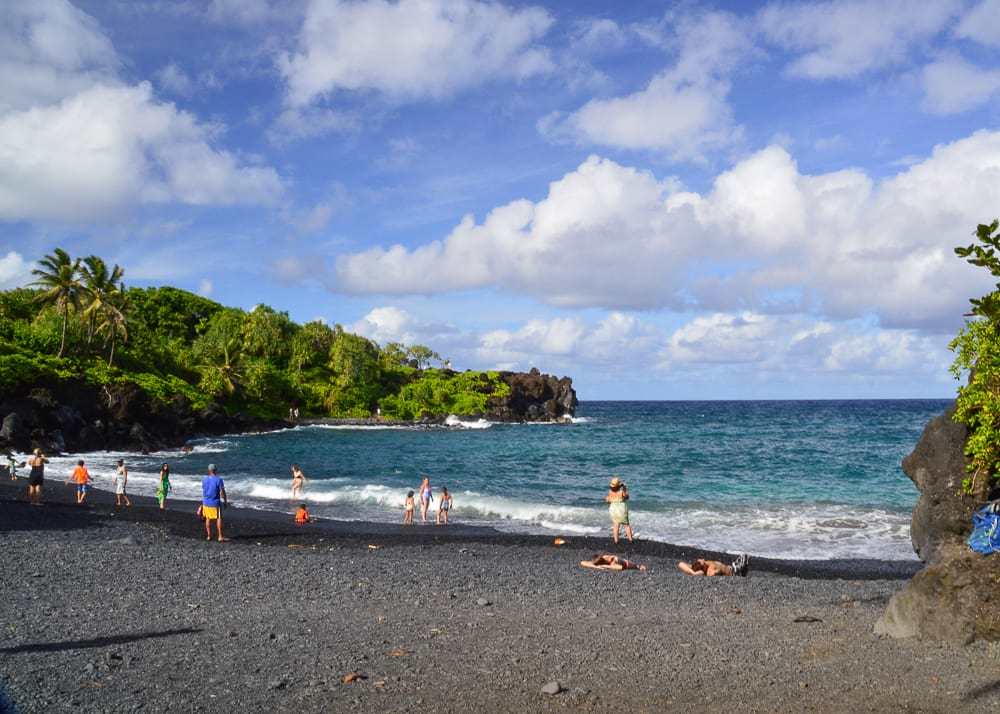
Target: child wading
{"type": "Point", "coordinates": [408, 508]}
{"type": "Point", "coordinates": [120, 480]}
{"type": "Point", "coordinates": [164, 486]}
{"type": "Point", "coordinates": [81, 477]}
{"type": "Point", "coordinates": [444, 506]}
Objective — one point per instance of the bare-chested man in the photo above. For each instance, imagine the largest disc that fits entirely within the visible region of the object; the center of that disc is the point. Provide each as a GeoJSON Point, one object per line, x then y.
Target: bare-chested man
{"type": "Point", "coordinates": [715, 568]}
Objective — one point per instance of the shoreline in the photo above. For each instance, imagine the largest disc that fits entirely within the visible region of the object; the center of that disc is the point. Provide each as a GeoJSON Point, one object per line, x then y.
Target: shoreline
{"type": "Point", "coordinates": [243, 524]}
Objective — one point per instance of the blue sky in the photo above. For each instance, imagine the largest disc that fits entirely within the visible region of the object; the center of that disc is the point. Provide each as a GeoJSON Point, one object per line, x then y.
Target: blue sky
{"type": "Point", "coordinates": [662, 200]}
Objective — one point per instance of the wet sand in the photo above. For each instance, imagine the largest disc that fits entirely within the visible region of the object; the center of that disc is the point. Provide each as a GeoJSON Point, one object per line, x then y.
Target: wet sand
{"type": "Point", "coordinates": [134, 610]}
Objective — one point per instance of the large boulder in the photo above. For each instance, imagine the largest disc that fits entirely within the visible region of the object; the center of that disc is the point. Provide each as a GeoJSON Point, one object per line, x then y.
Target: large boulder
{"type": "Point", "coordinates": [955, 597]}
{"type": "Point", "coordinates": [937, 467]}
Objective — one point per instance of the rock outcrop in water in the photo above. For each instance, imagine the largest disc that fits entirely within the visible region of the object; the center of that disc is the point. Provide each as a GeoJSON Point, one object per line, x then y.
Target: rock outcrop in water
{"type": "Point", "coordinates": [534, 397]}
{"type": "Point", "coordinates": [957, 595]}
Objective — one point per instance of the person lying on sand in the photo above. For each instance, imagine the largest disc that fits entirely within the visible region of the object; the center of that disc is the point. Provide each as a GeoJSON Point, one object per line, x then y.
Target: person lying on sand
{"type": "Point", "coordinates": [606, 561]}
{"type": "Point", "coordinates": [715, 568]}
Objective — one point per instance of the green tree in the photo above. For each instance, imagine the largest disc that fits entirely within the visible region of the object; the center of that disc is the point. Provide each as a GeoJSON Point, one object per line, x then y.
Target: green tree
{"type": "Point", "coordinates": [113, 321]}
{"type": "Point", "coordinates": [99, 287]}
{"type": "Point", "coordinates": [977, 350]}
{"type": "Point", "coordinates": [311, 345]}
{"type": "Point", "coordinates": [218, 352]}
{"type": "Point", "coordinates": [267, 333]}
{"type": "Point", "coordinates": [422, 355]}
{"type": "Point", "coordinates": [59, 279]}
{"type": "Point", "coordinates": [354, 362]}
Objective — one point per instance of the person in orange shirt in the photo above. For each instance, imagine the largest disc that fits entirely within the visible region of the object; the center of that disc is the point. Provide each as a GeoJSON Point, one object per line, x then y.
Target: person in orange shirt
{"type": "Point", "coordinates": [302, 515]}
{"type": "Point", "coordinates": [81, 477]}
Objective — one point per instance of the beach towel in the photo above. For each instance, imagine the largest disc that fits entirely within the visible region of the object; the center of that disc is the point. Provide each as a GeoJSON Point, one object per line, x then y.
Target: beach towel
{"type": "Point", "coordinates": [985, 536]}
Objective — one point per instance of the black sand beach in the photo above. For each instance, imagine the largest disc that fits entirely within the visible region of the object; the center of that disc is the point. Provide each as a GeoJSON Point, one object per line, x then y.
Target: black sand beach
{"type": "Point", "coordinates": [129, 611]}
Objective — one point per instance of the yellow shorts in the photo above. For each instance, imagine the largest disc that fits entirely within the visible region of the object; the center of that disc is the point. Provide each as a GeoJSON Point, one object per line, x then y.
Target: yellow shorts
{"type": "Point", "coordinates": [209, 513]}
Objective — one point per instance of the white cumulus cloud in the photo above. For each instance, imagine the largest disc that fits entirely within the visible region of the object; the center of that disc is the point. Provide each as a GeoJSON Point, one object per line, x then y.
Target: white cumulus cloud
{"type": "Point", "coordinates": [953, 85]}
{"type": "Point", "coordinates": [841, 244]}
{"type": "Point", "coordinates": [15, 271]}
{"type": "Point", "coordinates": [846, 38]}
{"type": "Point", "coordinates": [981, 22]}
{"type": "Point", "coordinates": [79, 144]}
{"type": "Point", "coordinates": [682, 111]}
{"type": "Point", "coordinates": [410, 49]}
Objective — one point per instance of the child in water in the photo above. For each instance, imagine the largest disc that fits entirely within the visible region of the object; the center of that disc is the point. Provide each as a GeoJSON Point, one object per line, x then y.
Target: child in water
{"type": "Point", "coordinates": [408, 515]}
{"type": "Point", "coordinates": [444, 506]}
{"type": "Point", "coordinates": [302, 515]}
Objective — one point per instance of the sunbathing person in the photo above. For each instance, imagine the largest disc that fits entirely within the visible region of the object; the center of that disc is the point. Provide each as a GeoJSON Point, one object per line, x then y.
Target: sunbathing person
{"type": "Point", "coordinates": [606, 561]}
{"type": "Point", "coordinates": [715, 568]}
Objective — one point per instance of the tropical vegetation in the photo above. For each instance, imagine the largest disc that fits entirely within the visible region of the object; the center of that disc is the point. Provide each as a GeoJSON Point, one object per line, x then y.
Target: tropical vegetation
{"type": "Point", "coordinates": [977, 357]}
{"type": "Point", "coordinates": [78, 321]}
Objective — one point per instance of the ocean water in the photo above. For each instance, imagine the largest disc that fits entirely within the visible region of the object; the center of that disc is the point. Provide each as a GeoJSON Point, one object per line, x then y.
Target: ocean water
{"type": "Point", "coordinates": [789, 479]}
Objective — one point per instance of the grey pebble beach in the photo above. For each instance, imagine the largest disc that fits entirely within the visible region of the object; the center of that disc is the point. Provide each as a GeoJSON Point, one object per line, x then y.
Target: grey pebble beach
{"type": "Point", "coordinates": [136, 612]}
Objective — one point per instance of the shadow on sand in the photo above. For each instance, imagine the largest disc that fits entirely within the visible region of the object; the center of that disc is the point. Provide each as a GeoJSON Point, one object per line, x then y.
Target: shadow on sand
{"type": "Point", "coordinates": [96, 642]}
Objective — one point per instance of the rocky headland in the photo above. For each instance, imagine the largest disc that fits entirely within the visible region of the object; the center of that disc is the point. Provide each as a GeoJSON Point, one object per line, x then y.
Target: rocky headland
{"type": "Point", "coordinates": [955, 596]}
{"type": "Point", "coordinates": [75, 416]}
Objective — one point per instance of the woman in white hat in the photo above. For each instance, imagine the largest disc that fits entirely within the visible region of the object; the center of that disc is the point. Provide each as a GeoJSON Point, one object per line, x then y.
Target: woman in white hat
{"type": "Point", "coordinates": [618, 498]}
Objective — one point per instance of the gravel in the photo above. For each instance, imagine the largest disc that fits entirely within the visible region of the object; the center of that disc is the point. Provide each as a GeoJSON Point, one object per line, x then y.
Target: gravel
{"type": "Point", "coordinates": [134, 611]}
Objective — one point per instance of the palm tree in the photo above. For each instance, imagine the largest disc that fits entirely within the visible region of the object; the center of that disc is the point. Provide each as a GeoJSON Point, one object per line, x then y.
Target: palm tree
{"type": "Point", "coordinates": [58, 277]}
{"type": "Point", "coordinates": [113, 319]}
{"type": "Point", "coordinates": [99, 287]}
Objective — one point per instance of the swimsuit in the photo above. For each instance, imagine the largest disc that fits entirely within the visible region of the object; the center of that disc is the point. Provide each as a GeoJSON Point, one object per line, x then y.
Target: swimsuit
{"type": "Point", "coordinates": [425, 495]}
{"type": "Point", "coordinates": [37, 475]}
{"type": "Point", "coordinates": [445, 504]}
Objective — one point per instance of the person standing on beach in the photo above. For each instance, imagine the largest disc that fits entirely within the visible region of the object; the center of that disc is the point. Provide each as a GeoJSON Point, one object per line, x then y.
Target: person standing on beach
{"type": "Point", "coordinates": [618, 499]}
{"type": "Point", "coordinates": [444, 505]}
{"type": "Point", "coordinates": [37, 477]}
{"type": "Point", "coordinates": [120, 480]}
{"type": "Point", "coordinates": [298, 482]}
{"type": "Point", "coordinates": [164, 486]}
{"type": "Point", "coordinates": [213, 498]}
{"type": "Point", "coordinates": [425, 498]}
{"type": "Point", "coordinates": [408, 509]}
{"type": "Point", "coordinates": [81, 477]}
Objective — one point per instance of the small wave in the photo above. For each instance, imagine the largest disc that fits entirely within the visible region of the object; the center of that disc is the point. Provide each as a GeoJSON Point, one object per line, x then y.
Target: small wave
{"type": "Point", "coordinates": [581, 420]}
{"type": "Point", "coordinates": [454, 421]}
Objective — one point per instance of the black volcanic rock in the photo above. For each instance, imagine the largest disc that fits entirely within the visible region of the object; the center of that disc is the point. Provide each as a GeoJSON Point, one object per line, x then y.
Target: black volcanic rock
{"type": "Point", "coordinates": [955, 596]}
{"type": "Point", "coordinates": [534, 397]}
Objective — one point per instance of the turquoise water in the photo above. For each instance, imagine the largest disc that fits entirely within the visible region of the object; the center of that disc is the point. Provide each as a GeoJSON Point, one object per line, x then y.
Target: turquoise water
{"type": "Point", "coordinates": [802, 479]}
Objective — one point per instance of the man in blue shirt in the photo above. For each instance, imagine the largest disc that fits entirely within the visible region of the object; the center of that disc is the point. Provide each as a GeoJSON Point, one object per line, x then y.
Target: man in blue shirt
{"type": "Point", "coordinates": [213, 497]}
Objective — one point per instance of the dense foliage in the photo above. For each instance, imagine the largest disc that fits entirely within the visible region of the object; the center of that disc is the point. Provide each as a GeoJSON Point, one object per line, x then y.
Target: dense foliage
{"type": "Point", "coordinates": [977, 349]}
{"type": "Point", "coordinates": [79, 322]}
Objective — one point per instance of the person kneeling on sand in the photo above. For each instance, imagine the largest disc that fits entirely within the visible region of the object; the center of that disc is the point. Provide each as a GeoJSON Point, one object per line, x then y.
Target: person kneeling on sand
{"type": "Point", "coordinates": [715, 568]}
{"type": "Point", "coordinates": [213, 498]}
{"type": "Point", "coordinates": [606, 561]}
{"type": "Point", "coordinates": [302, 515]}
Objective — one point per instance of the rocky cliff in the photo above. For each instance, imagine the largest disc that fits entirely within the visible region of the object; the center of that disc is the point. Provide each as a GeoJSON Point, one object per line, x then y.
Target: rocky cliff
{"type": "Point", "coordinates": [75, 416]}
{"type": "Point", "coordinates": [957, 595]}
{"type": "Point", "coordinates": [534, 397]}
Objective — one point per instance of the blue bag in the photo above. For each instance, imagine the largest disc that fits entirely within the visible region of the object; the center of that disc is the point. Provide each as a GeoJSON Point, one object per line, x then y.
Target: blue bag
{"type": "Point", "coordinates": [985, 536]}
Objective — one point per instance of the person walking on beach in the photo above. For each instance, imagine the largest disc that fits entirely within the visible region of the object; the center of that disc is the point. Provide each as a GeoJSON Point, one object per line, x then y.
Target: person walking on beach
{"type": "Point", "coordinates": [408, 509]}
{"type": "Point", "coordinates": [120, 480]}
{"type": "Point", "coordinates": [298, 482]}
{"type": "Point", "coordinates": [618, 499]}
{"type": "Point", "coordinates": [12, 466]}
{"type": "Point", "coordinates": [425, 498]}
{"type": "Point", "coordinates": [81, 477]}
{"type": "Point", "coordinates": [213, 498]}
{"type": "Point", "coordinates": [37, 477]}
{"type": "Point", "coordinates": [444, 505]}
{"type": "Point", "coordinates": [164, 486]}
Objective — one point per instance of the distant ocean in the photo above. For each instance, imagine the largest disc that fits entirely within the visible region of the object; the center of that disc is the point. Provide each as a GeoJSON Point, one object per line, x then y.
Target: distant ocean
{"type": "Point", "coordinates": [788, 479]}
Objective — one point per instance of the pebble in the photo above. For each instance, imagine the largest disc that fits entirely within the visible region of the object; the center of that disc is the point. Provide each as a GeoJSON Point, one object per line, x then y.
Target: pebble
{"type": "Point", "coordinates": [552, 688]}
{"type": "Point", "coordinates": [483, 602]}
